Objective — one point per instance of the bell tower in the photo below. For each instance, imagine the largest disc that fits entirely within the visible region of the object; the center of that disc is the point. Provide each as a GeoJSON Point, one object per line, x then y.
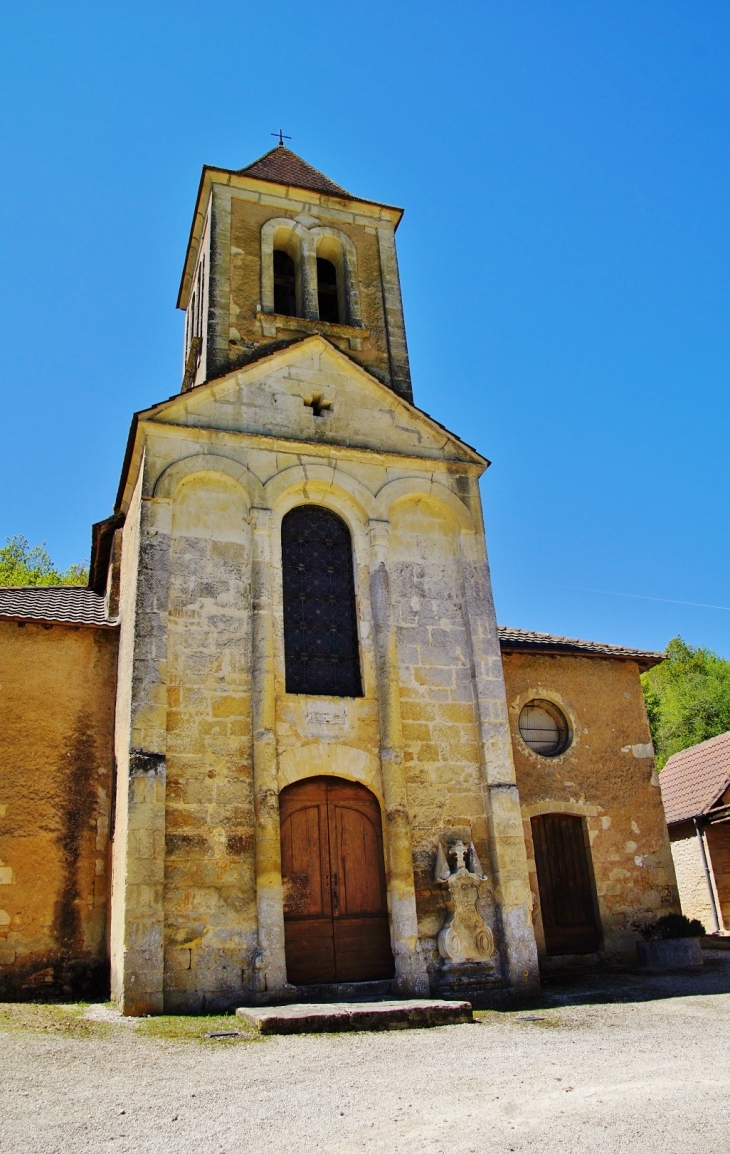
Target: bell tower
{"type": "Point", "coordinates": [279, 252]}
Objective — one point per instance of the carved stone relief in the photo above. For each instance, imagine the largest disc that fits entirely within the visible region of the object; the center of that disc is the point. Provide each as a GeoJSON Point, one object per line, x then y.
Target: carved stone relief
{"type": "Point", "coordinates": [465, 936]}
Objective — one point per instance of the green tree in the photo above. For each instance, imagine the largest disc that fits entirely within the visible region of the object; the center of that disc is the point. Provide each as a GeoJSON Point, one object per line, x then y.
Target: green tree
{"type": "Point", "coordinates": [21, 565]}
{"type": "Point", "coordinates": [687, 698]}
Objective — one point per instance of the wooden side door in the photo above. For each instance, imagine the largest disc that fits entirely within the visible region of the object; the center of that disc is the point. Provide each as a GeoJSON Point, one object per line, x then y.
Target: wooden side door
{"type": "Point", "coordinates": [567, 899]}
{"type": "Point", "coordinates": [335, 908]}
{"type": "Point", "coordinates": [359, 903]}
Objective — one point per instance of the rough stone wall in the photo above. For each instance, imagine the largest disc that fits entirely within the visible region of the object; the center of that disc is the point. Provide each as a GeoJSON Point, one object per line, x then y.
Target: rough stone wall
{"type": "Point", "coordinates": [691, 881]}
{"type": "Point", "coordinates": [718, 844]}
{"type": "Point", "coordinates": [57, 706]}
{"type": "Point", "coordinates": [607, 776]}
{"type": "Point", "coordinates": [440, 738]}
{"type": "Point", "coordinates": [210, 903]}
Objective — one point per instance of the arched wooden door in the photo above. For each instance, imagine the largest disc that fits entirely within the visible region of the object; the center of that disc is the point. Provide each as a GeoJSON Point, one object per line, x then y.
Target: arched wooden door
{"type": "Point", "coordinates": [335, 909]}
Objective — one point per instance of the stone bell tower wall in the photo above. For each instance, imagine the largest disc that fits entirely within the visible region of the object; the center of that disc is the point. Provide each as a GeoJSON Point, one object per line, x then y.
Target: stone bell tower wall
{"type": "Point", "coordinates": [229, 275]}
{"type": "Point", "coordinates": [366, 340]}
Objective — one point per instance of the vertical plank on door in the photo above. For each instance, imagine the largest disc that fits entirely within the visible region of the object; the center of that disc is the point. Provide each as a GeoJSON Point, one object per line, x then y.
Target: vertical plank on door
{"type": "Point", "coordinates": [567, 899]}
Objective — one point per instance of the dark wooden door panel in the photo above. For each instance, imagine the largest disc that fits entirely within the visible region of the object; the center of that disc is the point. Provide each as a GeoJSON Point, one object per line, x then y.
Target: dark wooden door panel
{"type": "Point", "coordinates": [567, 901]}
{"type": "Point", "coordinates": [357, 861]}
{"type": "Point", "coordinates": [310, 950]}
{"type": "Point", "coordinates": [335, 905]}
{"type": "Point", "coordinates": [362, 949]}
{"type": "Point", "coordinates": [305, 863]}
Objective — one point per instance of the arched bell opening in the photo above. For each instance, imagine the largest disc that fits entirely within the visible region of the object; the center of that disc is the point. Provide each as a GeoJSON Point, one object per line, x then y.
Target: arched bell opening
{"type": "Point", "coordinates": [333, 281]}
{"type": "Point", "coordinates": [327, 295]}
{"type": "Point", "coordinates": [335, 903]}
{"type": "Point", "coordinates": [285, 284]}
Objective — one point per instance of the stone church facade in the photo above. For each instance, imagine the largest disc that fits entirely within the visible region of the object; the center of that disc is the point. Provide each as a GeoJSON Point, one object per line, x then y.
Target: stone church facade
{"type": "Point", "coordinates": [280, 745]}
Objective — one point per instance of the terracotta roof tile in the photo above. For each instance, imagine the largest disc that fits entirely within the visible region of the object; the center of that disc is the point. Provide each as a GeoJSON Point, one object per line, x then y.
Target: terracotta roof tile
{"type": "Point", "coordinates": [694, 779]}
{"type": "Point", "coordinates": [282, 166]}
{"type": "Point", "coordinates": [71, 604]}
{"type": "Point", "coordinates": [516, 639]}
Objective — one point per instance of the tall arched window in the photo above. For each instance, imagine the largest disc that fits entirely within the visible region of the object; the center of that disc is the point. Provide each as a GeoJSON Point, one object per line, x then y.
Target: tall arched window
{"type": "Point", "coordinates": [285, 284]}
{"type": "Point", "coordinates": [327, 295]}
{"type": "Point", "coordinates": [320, 619]}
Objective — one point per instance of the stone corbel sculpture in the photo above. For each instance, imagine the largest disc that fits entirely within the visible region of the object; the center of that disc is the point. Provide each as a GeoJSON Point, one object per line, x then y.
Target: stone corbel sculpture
{"type": "Point", "coordinates": [465, 940]}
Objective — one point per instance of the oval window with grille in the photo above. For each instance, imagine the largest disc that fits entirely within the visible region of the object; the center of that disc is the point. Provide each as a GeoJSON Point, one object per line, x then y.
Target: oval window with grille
{"type": "Point", "coordinates": [544, 728]}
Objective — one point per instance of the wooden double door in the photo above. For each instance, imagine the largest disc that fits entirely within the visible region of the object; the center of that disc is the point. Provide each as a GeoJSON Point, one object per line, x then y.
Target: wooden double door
{"type": "Point", "coordinates": [335, 907]}
{"type": "Point", "coordinates": [565, 881]}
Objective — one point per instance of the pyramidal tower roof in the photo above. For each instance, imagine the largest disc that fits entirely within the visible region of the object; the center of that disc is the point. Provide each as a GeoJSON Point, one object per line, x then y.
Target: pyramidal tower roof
{"type": "Point", "coordinates": [282, 166]}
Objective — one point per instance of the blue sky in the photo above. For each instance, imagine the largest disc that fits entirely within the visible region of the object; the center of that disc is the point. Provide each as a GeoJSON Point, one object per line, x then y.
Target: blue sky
{"type": "Point", "coordinates": [564, 167]}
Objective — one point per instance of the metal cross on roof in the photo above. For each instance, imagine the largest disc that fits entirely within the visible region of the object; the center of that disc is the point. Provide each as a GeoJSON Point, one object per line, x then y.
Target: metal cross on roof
{"type": "Point", "coordinates": [281, 136]}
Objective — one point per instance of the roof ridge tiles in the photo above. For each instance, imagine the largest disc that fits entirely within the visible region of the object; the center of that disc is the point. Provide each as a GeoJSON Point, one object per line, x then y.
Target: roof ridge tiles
{"type": "Point", "coordinates": [530, 639]}
{"type": "Point", "coordinates": [283, 166]}
{"type": "Point", "coordinates": [694, 779]}
{"type": "Point", "coordinates": [64, 604]}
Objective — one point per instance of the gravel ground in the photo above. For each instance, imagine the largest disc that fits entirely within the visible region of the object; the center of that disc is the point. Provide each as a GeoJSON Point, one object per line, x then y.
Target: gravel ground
{"type": "Point", "coordinates": [604, 1063]}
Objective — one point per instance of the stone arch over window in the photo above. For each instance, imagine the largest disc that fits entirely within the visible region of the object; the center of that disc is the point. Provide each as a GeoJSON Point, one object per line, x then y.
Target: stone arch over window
{"type": "Point", "coordinates": [331, 484]}
{"type": "Point", "coordinates": [283, 277]}
{"type": "Point", "coordinates": [320, 614]}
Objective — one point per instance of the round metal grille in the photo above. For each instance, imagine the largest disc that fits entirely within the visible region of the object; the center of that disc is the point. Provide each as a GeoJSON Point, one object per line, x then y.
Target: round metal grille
{"type": "Point", "coordinates": [544, 728]}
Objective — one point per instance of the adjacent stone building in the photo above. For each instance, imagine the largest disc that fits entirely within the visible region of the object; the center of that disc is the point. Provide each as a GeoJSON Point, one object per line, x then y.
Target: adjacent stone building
{"type": "Point", "coordinates": [696, 792]}
{"type": "Point", "coordinates": [58, 661]}
{"type": "Point", "coordinates": [318, 777]}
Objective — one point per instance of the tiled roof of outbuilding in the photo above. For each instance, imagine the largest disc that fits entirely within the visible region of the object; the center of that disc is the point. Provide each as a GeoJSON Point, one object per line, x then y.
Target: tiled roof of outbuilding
{"type": "Point", "coordinates": [516, 639]}
{"type": "Point", "coordinates": [66, 604]}
{"type": "Point", "coordinates": [694, 780]}
{"type": "Point", "coordinates": [282, 166]}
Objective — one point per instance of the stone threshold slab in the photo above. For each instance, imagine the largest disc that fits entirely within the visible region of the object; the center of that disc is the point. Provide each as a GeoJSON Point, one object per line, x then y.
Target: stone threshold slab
{"type": "Point", "coordinates": [332, 1017]}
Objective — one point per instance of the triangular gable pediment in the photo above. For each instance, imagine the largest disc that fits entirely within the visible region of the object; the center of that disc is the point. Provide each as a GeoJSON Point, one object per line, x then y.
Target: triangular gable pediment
{"type": "Point", "coordinates": [269, 398]}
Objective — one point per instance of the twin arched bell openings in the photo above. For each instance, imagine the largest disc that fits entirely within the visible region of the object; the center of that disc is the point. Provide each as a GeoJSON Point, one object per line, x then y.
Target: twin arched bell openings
{"type": "Point", "coordinates": [309, 273]}
{"type": "Point", "coordinates": [287, 288]}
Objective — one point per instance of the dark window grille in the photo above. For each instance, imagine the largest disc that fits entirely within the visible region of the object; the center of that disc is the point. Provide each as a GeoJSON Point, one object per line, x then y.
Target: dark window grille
{"type": "Point", "coordinates": [544, 728]}
{"type": "Point", "coordinates": [285, 284]}
{"type": "Point", "coordinates": [329, 307]}
{"type": "Point", "coordinates": [320, 619]}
